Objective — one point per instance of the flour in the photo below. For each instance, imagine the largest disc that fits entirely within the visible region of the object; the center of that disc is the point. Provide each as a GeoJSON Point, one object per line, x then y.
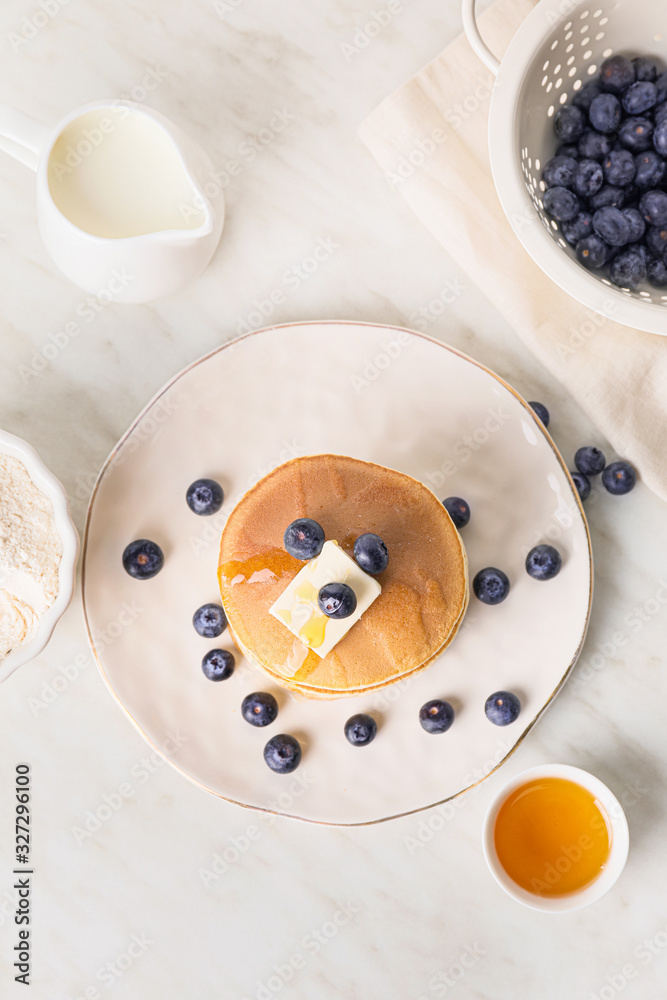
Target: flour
{"type": "Point", "coordinates": [30, 552]}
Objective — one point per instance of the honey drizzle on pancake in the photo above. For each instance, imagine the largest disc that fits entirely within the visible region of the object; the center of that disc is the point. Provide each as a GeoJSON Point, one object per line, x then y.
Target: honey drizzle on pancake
{"type": "Point", "coordinates": [307, 667]}
{"type": "Point", "coordinates": [276, 561]}
{"type": "Point", "coordinates": [347, 544]}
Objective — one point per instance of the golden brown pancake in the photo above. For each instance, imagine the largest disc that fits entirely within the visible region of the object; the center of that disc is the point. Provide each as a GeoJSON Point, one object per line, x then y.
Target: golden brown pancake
{"type": "Point", "coordinates": [424, 587]}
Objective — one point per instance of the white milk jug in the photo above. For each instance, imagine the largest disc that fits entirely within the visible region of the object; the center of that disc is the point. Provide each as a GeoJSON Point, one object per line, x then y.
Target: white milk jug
{"type": "Point", "coordinates": [121, 200]}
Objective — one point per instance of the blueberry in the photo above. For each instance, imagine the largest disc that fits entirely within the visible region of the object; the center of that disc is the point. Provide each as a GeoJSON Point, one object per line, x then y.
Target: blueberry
{"type": "Point", "coordinates": [559, 171]}
{"type": "Point", "coordinates": [619, 168]}
{"type": "Point", "coordinates": [592, 251]}
{"type": "Point", "coordinates": [660, 113]}
{"type": "Point", "coordinates": [656, 241]}
{"type": "Point", "coordinates": [660, 138]}
{"type": "Point", "coordinates": [593, 146]}
{"type": "Point", "coordinates": [371, 553]}
{"type": "Point", "coordinates": [583, 485]}
{"type": "Point", "coordinates": [436, 716]}
{"type": "Point", "coordinates": [645, 68]}
{"type": "Point", "coordinates": [643, 252]}
{"type": "Point", "coordinates": [218, 664]}
{"type": "Point", "coordinates": [209, 621]}
{"type": "Point", "coordinates": [607, 196]}
{"type": "Point", "coordinates": [205, 497]}
{"type": "Point", "coordinates": [612, 226]}
{"type": "Point", "coordinates": [619, 478]}
{"type": "Point", "coordinates": [616, 74]}
{"type": "Point", "coordinates": [590, 460]}
{"type": "Point", "coordinates": [569, 123]}
{"type": "Point", "coordinates": [661, 87]}
{"type": "Point", "coordinates": [259, 709]}
{"type": "Point", "coordinates": [639, 97]}
{"type": "Point", "coordinates": [491, 585]}
{"type": "Point", "coordinates": [637, 224]}
{"type": "Point", "coordinates": [657, 273]}
{"type": "Point", "coordinates": [568, 149]}
{"type": "Point", "coordinates": [541, 411]}
{"type": "Point", "coordinates": [543, 562]}
{"type": "Point", "coordinates": [283, 754]}
{"type": "Point", "coordinates": [653, 206]}
{"type": "Point", "coordinates": [304, 538]}
{"type": "Point", "coordinates": [361, 730]}
{"type": "Point", "coordinates": [579, 227]}
{"type": "Point", "coordinates": [605, 113]}
{"type": "Point", "coordinates": [561, 203]}
{"type": "Point", "coordinates": [337, 600]}
{"type": "Point", "coordinates": [650, 169]}
{"type": "Point", "coordinates": [143, 559]}
{"type": "Point", "coordinates": [628, 269]}
{"type": "Point", "coordinates": [636, 134]}
{"type": "Point", "coordinates": [502, 708]}
{"type": "Point", "coordinates": [588, 177]}
{"type": "Point", "coordinates": [584, 97]}
{"type": "Point", "coordinates": [458, 510]}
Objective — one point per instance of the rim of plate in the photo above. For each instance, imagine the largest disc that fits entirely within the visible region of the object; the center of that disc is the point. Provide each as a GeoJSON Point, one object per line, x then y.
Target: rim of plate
{"type": "Point", "coordinates": [348, 323]}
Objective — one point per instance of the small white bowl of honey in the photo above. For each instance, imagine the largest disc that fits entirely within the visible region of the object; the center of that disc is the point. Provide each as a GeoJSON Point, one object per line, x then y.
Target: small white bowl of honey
{"type": "Point", "coordinates": [555, 838]}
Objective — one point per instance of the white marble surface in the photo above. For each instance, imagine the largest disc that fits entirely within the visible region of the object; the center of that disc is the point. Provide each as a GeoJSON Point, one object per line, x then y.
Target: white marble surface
{"type": "Point", "coordinates": [399, 917]}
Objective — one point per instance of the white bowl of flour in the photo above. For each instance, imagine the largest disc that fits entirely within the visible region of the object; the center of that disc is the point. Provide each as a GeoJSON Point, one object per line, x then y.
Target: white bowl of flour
{"type": "Point", "coordinates": [39, 547]}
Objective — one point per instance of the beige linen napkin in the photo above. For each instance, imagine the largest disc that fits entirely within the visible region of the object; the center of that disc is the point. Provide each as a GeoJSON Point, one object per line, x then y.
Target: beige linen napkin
{"type": "Point", "coordinates": [430, 139]}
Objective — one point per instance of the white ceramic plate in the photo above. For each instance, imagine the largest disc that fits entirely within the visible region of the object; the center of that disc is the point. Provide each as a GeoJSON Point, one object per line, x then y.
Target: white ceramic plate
{"type": "Point", "coordinates": [377, 393]}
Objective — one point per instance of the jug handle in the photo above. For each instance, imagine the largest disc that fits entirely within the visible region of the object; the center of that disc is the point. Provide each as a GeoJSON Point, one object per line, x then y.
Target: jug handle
{"type": "Point", "coordinates": [477, 42]}
{"type": "Point", "coordinates": [21, 136]}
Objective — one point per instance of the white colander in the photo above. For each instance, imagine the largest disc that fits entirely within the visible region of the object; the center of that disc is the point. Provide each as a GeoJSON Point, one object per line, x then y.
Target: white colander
{"type": "Point", "coordinates": [557, 49]}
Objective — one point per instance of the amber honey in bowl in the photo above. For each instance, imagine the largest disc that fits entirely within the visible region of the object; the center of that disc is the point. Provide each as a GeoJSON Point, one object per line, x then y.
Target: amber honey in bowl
{"type": "Point", "coordinates": [552, 836]}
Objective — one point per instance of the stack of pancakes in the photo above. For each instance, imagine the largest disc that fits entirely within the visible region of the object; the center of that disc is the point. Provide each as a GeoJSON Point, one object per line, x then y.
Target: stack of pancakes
{"type": "Point", "coordinates": [424, 587]}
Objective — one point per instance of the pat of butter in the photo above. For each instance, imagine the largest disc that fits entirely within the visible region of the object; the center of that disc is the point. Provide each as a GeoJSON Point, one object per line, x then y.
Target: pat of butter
{"type": "Point", "coordinates": [297, 606]}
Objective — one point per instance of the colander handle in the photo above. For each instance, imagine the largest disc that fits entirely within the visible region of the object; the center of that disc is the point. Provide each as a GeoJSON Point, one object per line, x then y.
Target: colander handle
{"type": "Point", "coordinates": [475, 39]}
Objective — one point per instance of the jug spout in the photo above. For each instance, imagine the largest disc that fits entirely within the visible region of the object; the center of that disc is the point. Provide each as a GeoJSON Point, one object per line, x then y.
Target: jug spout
{"type": "Point", "coordinates": [197, 220]}
{"type": "Point", "coordinates": [187, 237]}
